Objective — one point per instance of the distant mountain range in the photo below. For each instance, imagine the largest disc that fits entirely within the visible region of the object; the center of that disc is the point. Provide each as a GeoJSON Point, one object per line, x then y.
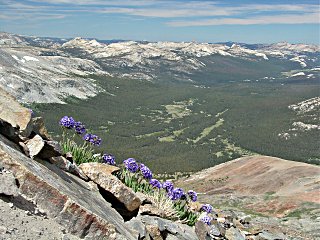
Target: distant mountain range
{"type": "Point", "coordinates": [37, 69]}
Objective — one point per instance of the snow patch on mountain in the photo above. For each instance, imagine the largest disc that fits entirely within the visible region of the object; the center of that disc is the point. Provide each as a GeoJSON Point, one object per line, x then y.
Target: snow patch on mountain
{"type": "Point", "coordinates": [300, 60]}
{"type": "Point", "coordinates": [298, 74]}
{"type": "Point", "coordinates": [28, 58]}
{"type": "Point", "coordinates": [306, 106]}
{"type": "Point", "coordinates": [307, 118]}
{"type": "Point", "coordinates": [47, 79]}
{"type": "Point", "coordinates": [288, 48]}
{"type": "Point", "coordinates": [239, 51]}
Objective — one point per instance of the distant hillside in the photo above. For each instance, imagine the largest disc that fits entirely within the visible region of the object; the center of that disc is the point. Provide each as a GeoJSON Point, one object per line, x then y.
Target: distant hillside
{"type": "Point", "coordinates": [258, 175]}
{"type": "Point", "coordinates": [263, 185]}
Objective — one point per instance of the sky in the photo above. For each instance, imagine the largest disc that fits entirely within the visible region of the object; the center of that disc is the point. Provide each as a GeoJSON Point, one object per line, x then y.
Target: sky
{"type": "Point", "coordinates": [244, 21]}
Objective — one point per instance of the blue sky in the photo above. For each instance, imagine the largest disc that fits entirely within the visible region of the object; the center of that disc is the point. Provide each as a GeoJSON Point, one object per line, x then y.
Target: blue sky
{"type": "Point", "coordinates": [166, 20]}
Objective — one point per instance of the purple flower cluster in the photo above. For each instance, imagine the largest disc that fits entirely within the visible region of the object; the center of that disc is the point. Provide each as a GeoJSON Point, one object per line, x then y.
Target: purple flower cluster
{"type": "Point", "coordinates": [146, 172]}
{"type": "Point", "coordinates": [67, 122]}
{"type": "Point", "coordinates": [108, 159]}
{"type": "Point", "coordinates": [79, 128]}
{"type": "Point", "coordinates": [176, 193]}
{"type": "Point", "coordinates": [168, 186]}
{"type": "Point", "coordinates": [193, 195]}
{"type": "Point", "coordinates": [206, 208]}
{"type": "Point", "coordinates": [93, 139]}
{"type": "Point", "coordinates": [155, 183]}
{"type": "Point", "coordinates": [206, 220]}
{"type": "Point", "coordinates": [131, 165]}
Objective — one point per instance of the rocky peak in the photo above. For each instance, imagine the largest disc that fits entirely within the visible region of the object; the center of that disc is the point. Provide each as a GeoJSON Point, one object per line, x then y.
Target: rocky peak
{"type": "Point", "coordinates": [11, 39]}
{"type": "Point", "coordinates": [288, 47]}
{"type": "Point", "coordinates": [79, 42]}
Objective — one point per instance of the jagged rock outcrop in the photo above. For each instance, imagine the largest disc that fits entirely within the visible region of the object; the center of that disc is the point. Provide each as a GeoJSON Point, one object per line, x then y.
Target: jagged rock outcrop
{"type": "Point", "coordinates": [15, 120]}
{"type": "Point", "coordinates": [64, 197]}
{"type": "Point", "coordinates": [101, 175]}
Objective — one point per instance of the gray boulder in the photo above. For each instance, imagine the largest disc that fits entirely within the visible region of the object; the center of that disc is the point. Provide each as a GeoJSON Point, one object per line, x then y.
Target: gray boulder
{"type": "Point", "coordinates": [235, 234]}
{"type": "Point", "coordinates": [139, 228]}
{"type": "Point", "coordinates": [8, 185]}
{"type": "Point", "coordinates": [34, 145]}
{"type": "Point", "coordinates": [266, 235]}
{"type": "Point", "coordinates": [164, 226]}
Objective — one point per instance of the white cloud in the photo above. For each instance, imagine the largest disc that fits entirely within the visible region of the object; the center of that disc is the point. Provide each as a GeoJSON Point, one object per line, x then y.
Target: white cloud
{"type": "Point", "coordinates": [275, 19]}
{"type": "Point", "coordinates": [191, 13]}
{"type": "Point", "coordinates": [167, 13]}
{"type": "Point", "coordinates": [164, 9]}
{"type": "Point", "coordinates": [99, 2]}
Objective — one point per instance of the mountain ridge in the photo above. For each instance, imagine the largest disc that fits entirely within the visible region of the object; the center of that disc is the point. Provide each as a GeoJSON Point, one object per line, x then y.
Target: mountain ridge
{"type": "Point", "coordinates": [177, 62]}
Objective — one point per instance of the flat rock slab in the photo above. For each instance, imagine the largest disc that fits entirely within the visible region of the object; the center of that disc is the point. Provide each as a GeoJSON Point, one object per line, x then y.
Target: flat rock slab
{"type": "Point", "coordinates": [13, 113]}
{"type": "Point", "coordinates": [97, 169]}
{"type": "Point", "coordinates": [68, 199]}
{"type": "Point", "coordinates": [101, 174]}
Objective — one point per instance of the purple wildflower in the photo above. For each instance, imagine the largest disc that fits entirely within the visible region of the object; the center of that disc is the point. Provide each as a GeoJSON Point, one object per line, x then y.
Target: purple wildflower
{"type": "Point", "coordinates": [67, 122]}
{"type": "Point", "coordinates": [32, 112]}
{"type": "Point", "coordinates": [193, 195]}
{"type": "Point", "coordinates": [168, 186]}
{"type": "Point", "coordinates": [206, 208]}
{"type": "Point", "coordinates": [131, 165]}
{"type": "Point", "coordinates": [109, 159]}
{"type": "Point", "coordinates": [79, 128]}
{"type": "Point", "coordinates": [206, 220]}
{"type": "Point", "coordinates": [95, 140]}
{"type": "Point", "coordinates": [176, 194]}
{"type": "Point", "coordinates": [146, 172]}
{"type": "Point", "coordinates": [87, 137]}
{"type": "Point", "coordinates": [92, 138]}
{"type": "Point", "coordinates": [155, 183]}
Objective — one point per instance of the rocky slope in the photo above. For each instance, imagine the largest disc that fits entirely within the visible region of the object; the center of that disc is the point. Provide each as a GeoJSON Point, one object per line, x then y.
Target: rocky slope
{"type": "Point", "coordinates": [307, 117]}
{"type": "Point", "coordinates": [285, 191]}
{"type": "Point", "coordinates": [49, 69]}
{"type": "Point", "coordinates": [32, 77]}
